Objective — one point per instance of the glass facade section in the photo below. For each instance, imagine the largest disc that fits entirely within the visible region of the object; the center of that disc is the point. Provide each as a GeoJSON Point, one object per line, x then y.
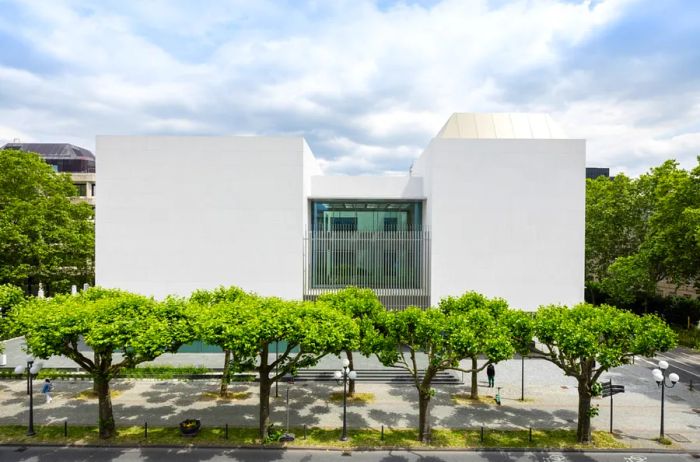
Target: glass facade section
{"type": "Point", "coordinates": [374, 244]}
{"type": "Point", "coordinates": [366, 216]}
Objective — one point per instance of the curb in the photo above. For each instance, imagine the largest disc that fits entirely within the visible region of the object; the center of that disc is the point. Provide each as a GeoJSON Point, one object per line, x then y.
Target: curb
{"type": "Point", "coordinates": [364, 449]}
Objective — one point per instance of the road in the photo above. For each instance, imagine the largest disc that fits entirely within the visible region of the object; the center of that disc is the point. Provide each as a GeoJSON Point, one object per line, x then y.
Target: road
{"type": "Point", "coordinates": [72, 454]}
{"type": "Point", "coordinates": [684, 362]}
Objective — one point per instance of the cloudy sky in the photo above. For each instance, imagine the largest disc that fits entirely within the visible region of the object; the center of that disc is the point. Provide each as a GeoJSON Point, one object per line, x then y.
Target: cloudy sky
{"type": "Point", "coordinates": [367, 82]}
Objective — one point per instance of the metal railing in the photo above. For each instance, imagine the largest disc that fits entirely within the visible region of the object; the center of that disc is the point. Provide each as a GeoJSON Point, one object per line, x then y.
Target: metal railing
{"type": "Point", "coordinates": [395, 264]}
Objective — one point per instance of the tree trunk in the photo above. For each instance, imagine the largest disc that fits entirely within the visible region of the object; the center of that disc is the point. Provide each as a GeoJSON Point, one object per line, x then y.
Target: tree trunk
{"type": "Point", "coordinates": [106, 416]}
{"type": "Point", "coordinates": [475, 384]}
{"type": "Point", "coordinates": [225, 376]}
{"type": "Point", "coordinates": [424, 395]}
{"type": "Point", "coordinates": [351, 383]}
{"type": "Point", "coordinates": [423, 415]}
{"type": "Point", "coordinates": [583, 432]}
{"type": "Point", "coordinates": [265, 388]}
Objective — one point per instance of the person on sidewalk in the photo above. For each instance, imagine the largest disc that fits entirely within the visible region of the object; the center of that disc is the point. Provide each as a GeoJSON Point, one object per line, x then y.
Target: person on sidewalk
{"type": "Point", "coordinates": [47, 389]}
{"type": "Point", "coordinates": [491, 374]}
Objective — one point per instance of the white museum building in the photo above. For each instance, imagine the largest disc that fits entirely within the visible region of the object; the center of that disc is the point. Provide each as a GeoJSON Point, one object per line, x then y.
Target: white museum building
{"type": "Point", "coordinates": [495, 203]}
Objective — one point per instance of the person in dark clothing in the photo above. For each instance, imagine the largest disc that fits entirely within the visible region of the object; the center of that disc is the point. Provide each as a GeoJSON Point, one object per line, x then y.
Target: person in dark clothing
{"type": "Point", "coordinates": [491, 374]}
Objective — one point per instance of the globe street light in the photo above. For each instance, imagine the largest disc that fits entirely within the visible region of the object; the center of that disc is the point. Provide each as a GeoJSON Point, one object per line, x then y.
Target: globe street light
{"type": "Point", "coordinates": [31, 369]}
{"type": "Point", "coordinates": [660, 378]}
{"type": "Point", "coordinates": [345, 373]}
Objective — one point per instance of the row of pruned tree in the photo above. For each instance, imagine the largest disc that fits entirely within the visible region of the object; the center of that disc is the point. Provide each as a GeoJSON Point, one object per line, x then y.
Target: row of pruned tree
{"type": "Point", "coordinates": [124, 329]}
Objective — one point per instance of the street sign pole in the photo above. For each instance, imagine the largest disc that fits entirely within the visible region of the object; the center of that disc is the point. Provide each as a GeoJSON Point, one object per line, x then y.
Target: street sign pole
{"type": "Point", "coordinates": [611, 408]}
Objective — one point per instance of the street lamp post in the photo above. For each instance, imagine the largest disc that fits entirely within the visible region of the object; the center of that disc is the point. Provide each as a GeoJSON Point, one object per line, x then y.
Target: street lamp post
{"type": "Point", "coordinates": [522, 377]}
{"type": "Point", "coordinates": [345, 373]}
{"type": "Point", "coordinates": [289, 378]}
{"type": "Point", "coordinates": [31, 369]}
{"type": "Point", "coordinates": [660, 378]}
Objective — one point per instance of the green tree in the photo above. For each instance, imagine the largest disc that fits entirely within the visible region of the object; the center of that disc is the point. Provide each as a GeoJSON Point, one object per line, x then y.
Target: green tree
{"type": "Point", "coordinates": [587, 340]}
{"type": "Point", "coordinates": [363, 306]}
{"type": "Point", "coordinates": [445, 339]}
{"type": "Point", "coordinates": [627, 277]}
{"type": "Point", "coordinates": [615, 222]}
{"type": "Point", "coordinates": [642, 231]}
{"type": "Point", "coordinates": [671, 247]}
{"type": "Point", "coordinates": [121, 329]}
{"type": "Point", "coordinates": [519, 332]}
{"type": "Point", "coordinates": [44, 235]}
{"type": "Point", "coordinates": [10, 296]}
{"type": "Point", "coordinates": [309, 332]}
{"type": "Point", "coordinates": [209, 309]}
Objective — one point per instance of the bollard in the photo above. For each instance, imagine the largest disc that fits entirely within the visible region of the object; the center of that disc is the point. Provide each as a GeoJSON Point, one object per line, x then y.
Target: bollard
{"type": "Point", "coordinates": [65, 429]}
{"type": "Point", "coordinates": [226, 432]}
{"type": "Point", "coordinates": [690, 385]}
{"type": "Point", "coordinates": [381, 438]}
{"type": "Point", "coordinates": [145, 430]}
{"type": "Point", "coordinates": [481, 438]}
{"type": "Point", "coordinates": [530, 434]}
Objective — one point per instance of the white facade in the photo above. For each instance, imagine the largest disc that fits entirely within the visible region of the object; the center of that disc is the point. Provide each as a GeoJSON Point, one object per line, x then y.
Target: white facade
{"type": "Point", "coordinates": [502, 197]}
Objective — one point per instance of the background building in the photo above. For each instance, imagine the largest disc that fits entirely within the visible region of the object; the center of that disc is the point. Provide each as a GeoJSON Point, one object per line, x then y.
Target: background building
{"type": "Point", "coordinates": [68, 158]}
{"type": "Point", "coordinates": [475, 213]}
{"type": "Point", "coordinates": [595, 172]}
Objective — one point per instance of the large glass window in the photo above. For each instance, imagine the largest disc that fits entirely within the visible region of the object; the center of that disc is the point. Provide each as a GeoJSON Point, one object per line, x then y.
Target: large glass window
{"type": "Point", "coordinates": [378, 244]}
{"type": "Point", "coordinates": [366, 216]}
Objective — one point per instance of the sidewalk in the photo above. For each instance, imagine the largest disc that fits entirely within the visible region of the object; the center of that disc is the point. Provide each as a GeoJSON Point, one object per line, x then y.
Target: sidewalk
{"type": "Point", "coordinates": [550, 402]}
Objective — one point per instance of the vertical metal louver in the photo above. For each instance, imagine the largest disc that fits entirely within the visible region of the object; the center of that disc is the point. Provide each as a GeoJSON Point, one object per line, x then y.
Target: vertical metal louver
{"type": "Point", "coordinates": [395, 264]}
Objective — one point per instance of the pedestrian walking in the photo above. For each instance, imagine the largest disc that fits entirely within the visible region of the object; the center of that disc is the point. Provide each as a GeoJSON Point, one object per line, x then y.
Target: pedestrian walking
{"type": "Point", "coordinates": [491, 374]}
{"type": "Point", "coordinates": [47, 389]}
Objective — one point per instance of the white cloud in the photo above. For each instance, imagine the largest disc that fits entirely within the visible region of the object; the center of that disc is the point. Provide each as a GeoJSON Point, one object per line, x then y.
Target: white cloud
{"type": "Point", "coordinates": [367, 87]}
{"type": "Point", "coordinates": [620, 136]}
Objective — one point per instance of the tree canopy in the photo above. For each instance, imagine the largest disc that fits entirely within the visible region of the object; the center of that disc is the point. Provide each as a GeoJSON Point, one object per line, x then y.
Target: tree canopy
{"type": "Point", "coordinates": [210, 311]}
{"type": "Point", "coordinates": [364, 307]}
{"type": "Point", "coordinates": [516, 322]}
{"type": "Point", "coordinates": [10, 296]}
{"type": "Point", "coordinates": [253, 325]}
{"type": "Point", "coordinates": [121, 329]}
{"type": "Point", "coordinates": [642, 231]}
{"type": "Point", "coordinates": [586, 340]}
{"type": "Point", "coordinates": [445, 338]}
{"type": "Point", "coordinates": [44, 235]}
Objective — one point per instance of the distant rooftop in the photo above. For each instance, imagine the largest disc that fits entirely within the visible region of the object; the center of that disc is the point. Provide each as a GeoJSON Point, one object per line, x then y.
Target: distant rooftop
{"type": "Point", "coordinates": [64, 157]}
{"type": "Point", "coordinates": [467, 125]}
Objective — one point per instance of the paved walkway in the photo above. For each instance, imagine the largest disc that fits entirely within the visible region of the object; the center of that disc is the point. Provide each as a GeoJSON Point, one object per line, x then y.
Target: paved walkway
{"type": "Point", "coordinates": [551, 402]}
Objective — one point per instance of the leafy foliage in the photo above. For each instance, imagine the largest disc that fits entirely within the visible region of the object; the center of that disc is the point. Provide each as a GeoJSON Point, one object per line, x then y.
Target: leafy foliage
{"type": "Point", "coordinates": [10, 296]}
{"type": "Point", "coordinates": [587, 340]}
{"type": "Point", "coordinates": [642, 231]}
{"type": "Point", "coordinates": [446, 337]}
{"type": "Point", "coordinates": [615, 222]}
{"type": "Point", "coordinates": [518, 324]}
{"type": "Point", "coordinates": [250, 325]}
{"type": "Point", "coordinates": [44, 236]}
{"type": "Point", "coordinates": [363, 306]}
{"type": "Point", "coordinates": [122, 330]}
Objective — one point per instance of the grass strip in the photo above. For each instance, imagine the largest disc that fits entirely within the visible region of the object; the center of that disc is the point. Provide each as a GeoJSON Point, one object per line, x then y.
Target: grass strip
{"type": "Point", "coordinates": [315, 437]}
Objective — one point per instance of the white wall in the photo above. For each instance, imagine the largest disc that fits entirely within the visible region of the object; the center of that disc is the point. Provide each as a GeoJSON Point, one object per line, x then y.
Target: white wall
{"type": "Point", "coordinates": [181, 213]}
{"type": "Point", "coordinates": [507, 218]}
{"type": "Point", "coordinates": [367, 187]}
